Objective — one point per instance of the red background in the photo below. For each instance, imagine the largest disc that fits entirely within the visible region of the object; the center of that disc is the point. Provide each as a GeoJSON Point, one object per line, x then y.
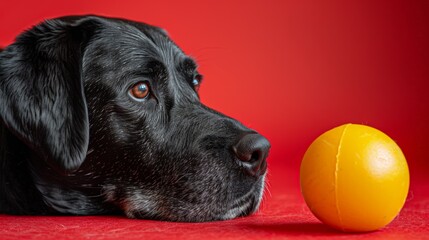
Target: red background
{"type": "Point", "coordinates": [291, 70]}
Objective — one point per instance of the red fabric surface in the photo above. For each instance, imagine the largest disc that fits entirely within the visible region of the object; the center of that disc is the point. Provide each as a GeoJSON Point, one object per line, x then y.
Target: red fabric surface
{"type": "Point", "coordinates": [291, 70]}
{"type": "Point", "coordinates": [283, 215]}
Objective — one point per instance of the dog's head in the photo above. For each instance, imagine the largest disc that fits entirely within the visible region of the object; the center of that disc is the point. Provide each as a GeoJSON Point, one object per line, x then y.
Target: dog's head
{"type": "Point", "coordinates": [111, 111]}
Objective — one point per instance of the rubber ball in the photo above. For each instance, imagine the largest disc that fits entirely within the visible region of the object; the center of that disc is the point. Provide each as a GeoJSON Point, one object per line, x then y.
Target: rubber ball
{"type": "Point", "coordinates": [354, 178]}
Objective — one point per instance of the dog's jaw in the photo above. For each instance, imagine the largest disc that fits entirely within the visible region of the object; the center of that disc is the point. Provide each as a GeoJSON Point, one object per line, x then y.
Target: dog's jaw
{"type": "Point", "coordinates": [73, 202]}
{"type": "Point", "coordinates": [135, 202]}
{"type": "Point", "coordinates": [139, 203]}
{"type": "Point", "coordinates": [248, 204]}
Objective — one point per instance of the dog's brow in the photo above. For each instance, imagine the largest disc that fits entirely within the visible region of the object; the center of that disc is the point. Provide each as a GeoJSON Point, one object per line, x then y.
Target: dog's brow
{"type": "Point", "coordinates": [189, 64]}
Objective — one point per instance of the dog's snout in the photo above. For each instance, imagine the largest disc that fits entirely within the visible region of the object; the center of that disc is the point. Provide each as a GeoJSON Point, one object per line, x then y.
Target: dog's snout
{"type": "Point", "coordinates": [252, 150]}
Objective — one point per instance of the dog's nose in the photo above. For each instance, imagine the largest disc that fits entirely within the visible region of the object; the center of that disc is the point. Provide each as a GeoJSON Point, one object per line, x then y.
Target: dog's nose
{"type": "Point", "coordinates": [252, 150]}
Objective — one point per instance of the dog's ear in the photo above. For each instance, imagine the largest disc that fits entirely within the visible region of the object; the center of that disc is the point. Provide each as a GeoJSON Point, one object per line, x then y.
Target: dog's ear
{"type": "Point", "coordinates": [42, 98]}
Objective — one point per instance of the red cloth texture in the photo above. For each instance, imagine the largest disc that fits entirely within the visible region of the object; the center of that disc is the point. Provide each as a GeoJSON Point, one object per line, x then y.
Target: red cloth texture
{"type": "Point", "coordinates": [283, 215]}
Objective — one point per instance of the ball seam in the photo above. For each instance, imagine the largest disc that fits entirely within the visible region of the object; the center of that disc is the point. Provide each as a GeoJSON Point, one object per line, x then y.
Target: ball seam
{"type": "Point", "coordinates": [337, 163]}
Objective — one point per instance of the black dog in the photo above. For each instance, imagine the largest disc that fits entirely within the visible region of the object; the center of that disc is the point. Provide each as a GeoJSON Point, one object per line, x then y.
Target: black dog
{"type": "Point", "coordinates": [102, 115]}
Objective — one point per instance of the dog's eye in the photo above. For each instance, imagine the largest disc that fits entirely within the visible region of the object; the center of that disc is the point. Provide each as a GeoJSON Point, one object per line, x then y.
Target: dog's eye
{"type": "Point", "coordinates": [196, 84]}
{"type": "Point", "coordinates": [140, 91]}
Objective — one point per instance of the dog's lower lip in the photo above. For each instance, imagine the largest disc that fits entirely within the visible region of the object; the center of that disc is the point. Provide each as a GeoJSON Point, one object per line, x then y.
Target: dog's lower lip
{"type": "Point", "coordinates": [247, 211]}
{"type": "Point", "coordinates": [263, 168]}
{"type": "Point", "coordinates": [244, 206]}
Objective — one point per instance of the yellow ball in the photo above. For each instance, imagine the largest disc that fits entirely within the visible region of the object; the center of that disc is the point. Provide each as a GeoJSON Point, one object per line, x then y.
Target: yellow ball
{"type": "Point", "coordinates": [354, 178]}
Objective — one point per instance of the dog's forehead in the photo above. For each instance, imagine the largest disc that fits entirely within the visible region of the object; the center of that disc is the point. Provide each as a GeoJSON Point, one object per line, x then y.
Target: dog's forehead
{"type": "Point", "coordinates": [123, 51]}
{"type": "Point", "coordinates": [134, 41]}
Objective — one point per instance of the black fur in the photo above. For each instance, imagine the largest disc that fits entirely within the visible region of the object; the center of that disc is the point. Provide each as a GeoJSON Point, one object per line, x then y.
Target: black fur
{"type": "Point", "coordinates": [73, 141]}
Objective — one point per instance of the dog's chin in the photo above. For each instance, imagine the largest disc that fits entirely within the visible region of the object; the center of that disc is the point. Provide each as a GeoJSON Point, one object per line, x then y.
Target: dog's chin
{"type": "Point", "coordinates": [137, 206]}
{"type": "Point", "coordinates": [247, 204]}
